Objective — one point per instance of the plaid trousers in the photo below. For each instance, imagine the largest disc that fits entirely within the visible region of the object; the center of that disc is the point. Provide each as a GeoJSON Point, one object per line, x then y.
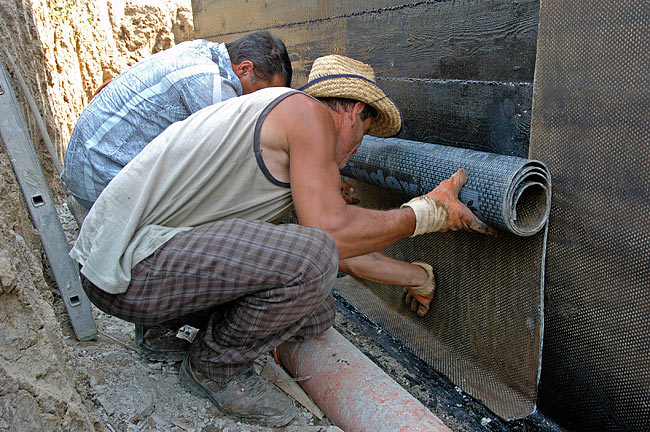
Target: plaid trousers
{"type": "Point", "coordinates": [251, 285]}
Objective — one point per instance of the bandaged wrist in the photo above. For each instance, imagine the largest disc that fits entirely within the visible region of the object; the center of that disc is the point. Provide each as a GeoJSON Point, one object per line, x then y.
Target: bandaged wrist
{"type": "Point", "coordinates": [427, 288]}
{"type": "Point", "coordinates": [430, 214]}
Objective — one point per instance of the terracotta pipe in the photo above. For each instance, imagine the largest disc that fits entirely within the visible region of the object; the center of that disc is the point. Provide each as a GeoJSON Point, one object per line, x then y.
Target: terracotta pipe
{"type": "Point", "coordinates": [352, 391]}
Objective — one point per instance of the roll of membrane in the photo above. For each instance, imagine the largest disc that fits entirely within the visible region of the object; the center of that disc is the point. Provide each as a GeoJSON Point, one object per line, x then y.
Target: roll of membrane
{"type": "Point", "coordinates": [506, 192]}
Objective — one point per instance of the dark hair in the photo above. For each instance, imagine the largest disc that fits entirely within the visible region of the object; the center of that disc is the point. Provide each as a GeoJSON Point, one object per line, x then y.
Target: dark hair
{"type": "Point", "coordinates": [267, 53]}
{"type": "Point", "coordinates": [337, 103]}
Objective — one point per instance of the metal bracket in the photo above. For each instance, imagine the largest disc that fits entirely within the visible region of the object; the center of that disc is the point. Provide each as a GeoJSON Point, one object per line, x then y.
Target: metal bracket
{"type": "Point", "coordinates": [187, 332]}
{"type": "Point", "coordinates": [14, 136]}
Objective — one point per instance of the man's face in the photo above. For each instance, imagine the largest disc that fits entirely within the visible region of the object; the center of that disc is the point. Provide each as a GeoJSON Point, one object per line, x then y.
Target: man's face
{"type": "Point", "coordinates": [350, 137]}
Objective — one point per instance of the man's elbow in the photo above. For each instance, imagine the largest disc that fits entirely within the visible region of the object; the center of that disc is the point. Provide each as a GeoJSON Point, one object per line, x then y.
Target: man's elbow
{"type": "Point", "coordinates": [334, 226]}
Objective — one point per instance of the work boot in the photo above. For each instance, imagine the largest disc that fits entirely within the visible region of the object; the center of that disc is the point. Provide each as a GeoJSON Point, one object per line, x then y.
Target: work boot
{"type": "Point", "coordinates": [247, 396]}
{"type": "Point", "coordinates": [158, 343]}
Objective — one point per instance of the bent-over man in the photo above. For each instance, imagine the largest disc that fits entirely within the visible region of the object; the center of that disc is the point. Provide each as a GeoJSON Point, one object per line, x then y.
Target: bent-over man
{"type": "Point", "coordinates": [159, 90]}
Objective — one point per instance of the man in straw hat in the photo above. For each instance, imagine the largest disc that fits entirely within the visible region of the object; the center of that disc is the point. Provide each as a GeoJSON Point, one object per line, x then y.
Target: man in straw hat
{"type": "Point", "coordinates": [187, 233]}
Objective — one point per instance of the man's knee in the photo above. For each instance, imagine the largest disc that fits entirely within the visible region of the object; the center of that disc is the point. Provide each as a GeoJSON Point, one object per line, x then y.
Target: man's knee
{"type": "Point", "coordinates": [321, 259]}
{"type": "Point", "coordinates": [320, 320]}
{"type": "Point", "coordinates": [328, 311]}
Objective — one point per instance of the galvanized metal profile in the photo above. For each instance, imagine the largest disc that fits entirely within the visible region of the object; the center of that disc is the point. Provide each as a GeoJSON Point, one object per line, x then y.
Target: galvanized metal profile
{"type": "Point", "coordinates": [14, 135]}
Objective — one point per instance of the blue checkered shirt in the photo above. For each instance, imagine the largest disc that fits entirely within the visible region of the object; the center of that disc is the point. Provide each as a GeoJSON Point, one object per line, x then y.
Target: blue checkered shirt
{"type": "Point", "coordinates": [138, 105]}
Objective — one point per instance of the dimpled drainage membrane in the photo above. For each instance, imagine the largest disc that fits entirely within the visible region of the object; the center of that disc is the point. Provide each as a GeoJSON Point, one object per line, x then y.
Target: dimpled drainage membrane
{"type": "Point", "coordinates": [506, 192]}
{"type": "Point", "coordinates": [591, 125]}
{"type": "Point", "coordinates": [485, 325]}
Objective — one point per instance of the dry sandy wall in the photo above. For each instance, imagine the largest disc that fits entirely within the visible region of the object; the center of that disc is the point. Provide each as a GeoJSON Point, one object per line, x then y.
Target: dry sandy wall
{"type": "Point", "coordinates": [64, 49]}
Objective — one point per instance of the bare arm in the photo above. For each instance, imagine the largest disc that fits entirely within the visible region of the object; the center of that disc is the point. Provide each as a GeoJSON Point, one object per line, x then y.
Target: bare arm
{"type": "Point", "coordinates": [316, 185]}
{"type": "Point", "coordinates": [380, 268]}
{"type": "Point", "coordinates": [307, 133]}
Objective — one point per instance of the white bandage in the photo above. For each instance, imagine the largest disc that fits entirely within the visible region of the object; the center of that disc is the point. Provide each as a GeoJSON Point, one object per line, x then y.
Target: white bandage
{"type": "Point", "coordinates": [429, 286]}
{"type": "Point", "coordinates": [430, 214]}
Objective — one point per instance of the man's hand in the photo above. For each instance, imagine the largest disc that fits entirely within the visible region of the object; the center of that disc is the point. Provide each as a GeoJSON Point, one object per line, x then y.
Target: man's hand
{"type": "Point", "coordinates": [346, 190]}
{"type": "Point", "coordinates": [418, 285]}
{"type": "Point", "coordinates": [460, 217]}
{"type": "Point", "coordinates": [419, 304]}
{"type": "Point", "coordinates": [441, 211]}
{"type": "Point", "coordinates": [418, 298]}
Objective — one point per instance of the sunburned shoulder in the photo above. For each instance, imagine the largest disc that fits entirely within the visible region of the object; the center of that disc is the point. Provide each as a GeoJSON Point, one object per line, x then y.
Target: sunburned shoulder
{"type": "Point", "coordinates": [299, 120]}
{"type": "Point", "coordinates": [303, 109]}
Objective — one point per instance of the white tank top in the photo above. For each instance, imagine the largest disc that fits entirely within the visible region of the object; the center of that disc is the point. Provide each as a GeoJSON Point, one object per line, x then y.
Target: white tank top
{"type": "Point", "coordinates": [206, 168]}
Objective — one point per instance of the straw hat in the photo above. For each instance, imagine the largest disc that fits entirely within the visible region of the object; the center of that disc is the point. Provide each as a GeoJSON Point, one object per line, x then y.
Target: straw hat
{"type": "Point", "coordinates": [343, 77]}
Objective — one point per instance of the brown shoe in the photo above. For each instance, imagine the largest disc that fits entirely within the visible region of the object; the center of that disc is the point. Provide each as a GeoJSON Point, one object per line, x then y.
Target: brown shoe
{"type": "Point", "coordinates": [247, 396]}
{"type": "Point", "coordinates": [158, 343]}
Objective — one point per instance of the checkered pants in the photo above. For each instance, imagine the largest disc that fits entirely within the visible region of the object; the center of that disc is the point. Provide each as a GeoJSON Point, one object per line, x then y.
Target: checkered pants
{"type": "Point", "coordinates": [252, 284]}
